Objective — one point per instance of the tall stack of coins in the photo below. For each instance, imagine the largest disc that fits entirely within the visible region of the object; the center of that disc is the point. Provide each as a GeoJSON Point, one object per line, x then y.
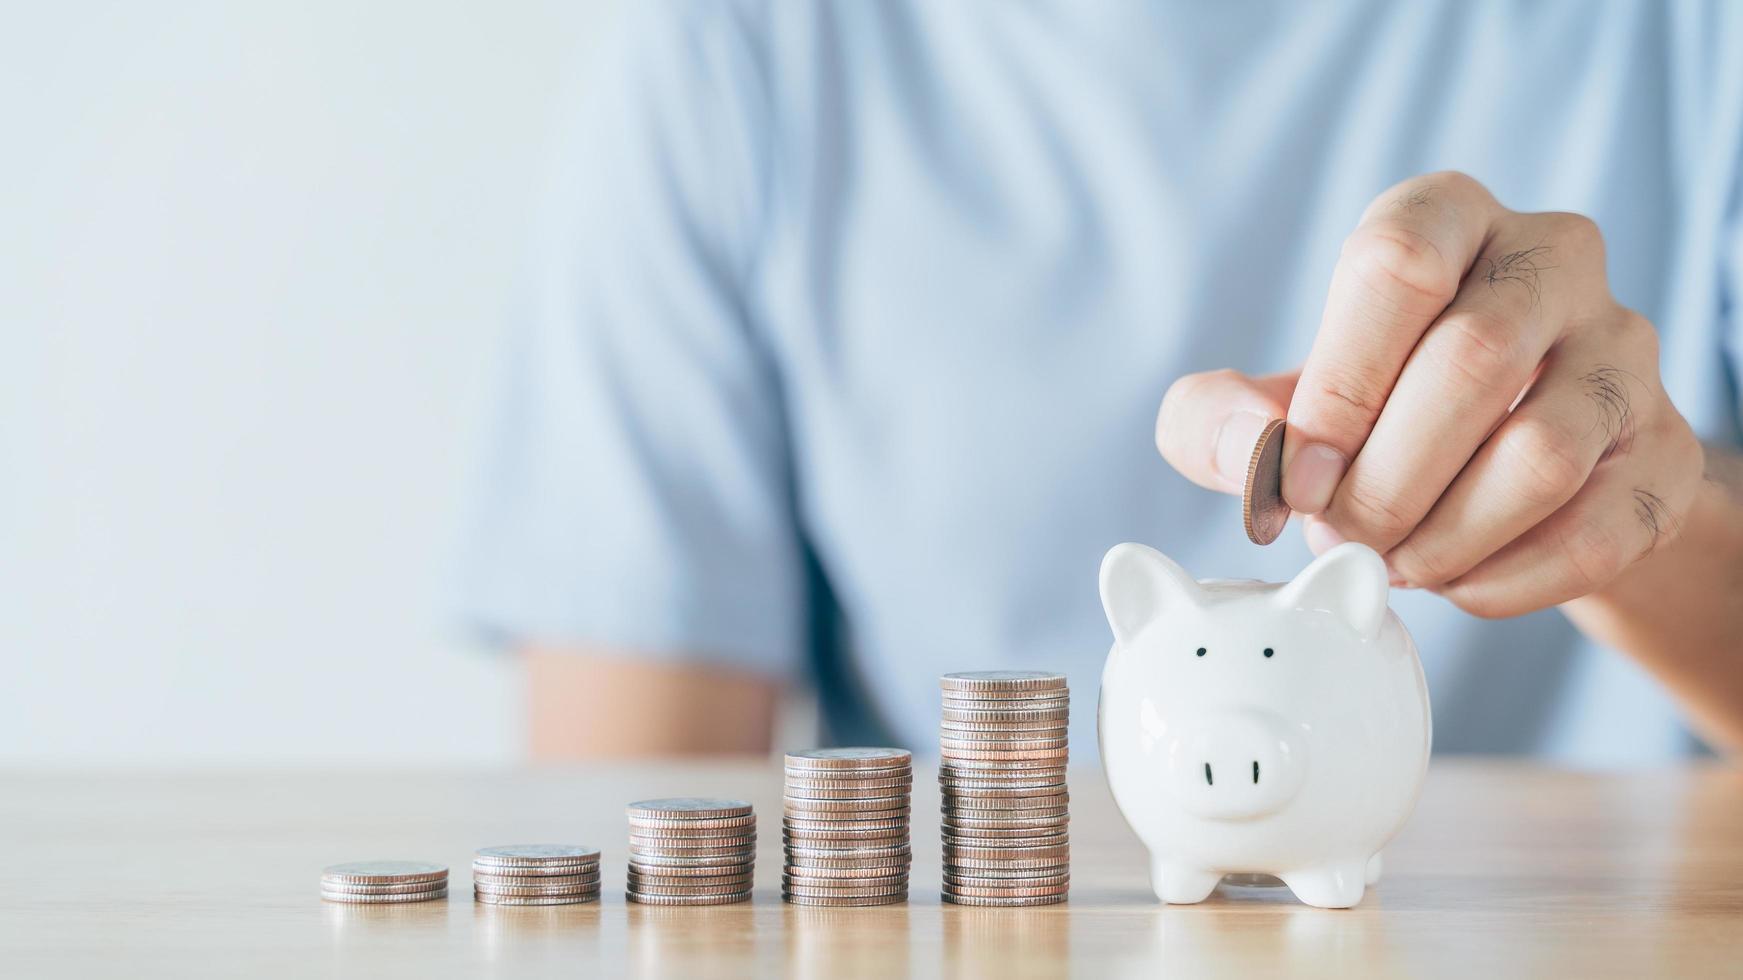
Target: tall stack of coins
{"type": "Point", "coordinates": [845, 828]}
{"type": "Point", "coordinates": [384, 882]}
{"type": "Point", "coordinates": [1002, 775]}
{"type": "Point", "coordinates": [535, 874]}
{"type": "Point", "coordinates": [691, 851]}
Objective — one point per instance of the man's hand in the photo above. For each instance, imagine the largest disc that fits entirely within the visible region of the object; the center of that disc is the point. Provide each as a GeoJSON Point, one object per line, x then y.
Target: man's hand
{"type": "Point", "coordinates": [1476, 406]}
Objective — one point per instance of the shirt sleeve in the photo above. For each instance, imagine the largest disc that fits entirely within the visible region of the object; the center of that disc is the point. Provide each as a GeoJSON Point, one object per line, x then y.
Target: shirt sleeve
{"type": "Point", "coordinates": [637, 492]}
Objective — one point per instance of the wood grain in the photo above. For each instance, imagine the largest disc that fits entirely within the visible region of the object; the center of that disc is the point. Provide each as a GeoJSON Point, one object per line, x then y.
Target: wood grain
{"type": "Point", "coordinates": [1507, 869]}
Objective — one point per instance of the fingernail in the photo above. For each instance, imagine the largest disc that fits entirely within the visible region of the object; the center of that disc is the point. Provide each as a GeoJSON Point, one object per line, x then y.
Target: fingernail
{"type": "Point", "coordinates": [1396, 580]}
{"type": "Point", "coordinates": [1234, 446]}
{"type": "Point", "coordinates": [1321, 537]}
{"type": "Point", "coordinates": [1312, 477]}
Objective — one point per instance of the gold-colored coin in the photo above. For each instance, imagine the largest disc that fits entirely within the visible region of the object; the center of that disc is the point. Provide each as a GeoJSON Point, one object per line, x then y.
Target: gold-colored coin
{"type": "Point", "coordinates": [1263, 510]}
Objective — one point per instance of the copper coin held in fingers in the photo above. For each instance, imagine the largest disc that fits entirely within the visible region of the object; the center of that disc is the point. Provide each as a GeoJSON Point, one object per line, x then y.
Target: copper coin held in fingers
{"type": "Point", "coordinates": [1262, 506]}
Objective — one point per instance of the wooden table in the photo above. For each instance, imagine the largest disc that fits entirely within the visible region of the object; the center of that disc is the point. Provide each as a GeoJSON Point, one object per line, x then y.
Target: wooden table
{"type": "Point", "coordinates": [1506, 870]}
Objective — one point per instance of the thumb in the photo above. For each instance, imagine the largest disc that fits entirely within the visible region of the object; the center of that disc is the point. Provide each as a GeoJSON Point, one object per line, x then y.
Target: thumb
{"type": "Point", "coordinates": [1210, 422]}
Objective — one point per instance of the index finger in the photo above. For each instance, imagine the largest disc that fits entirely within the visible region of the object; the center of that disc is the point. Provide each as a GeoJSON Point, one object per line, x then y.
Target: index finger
{"type": "Point", "coordinates": [1398, 270]}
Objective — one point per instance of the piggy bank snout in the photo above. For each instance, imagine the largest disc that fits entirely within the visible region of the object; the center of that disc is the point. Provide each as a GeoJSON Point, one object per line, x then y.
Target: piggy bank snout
{"type": "Point", "coordinates": [1237, 765]}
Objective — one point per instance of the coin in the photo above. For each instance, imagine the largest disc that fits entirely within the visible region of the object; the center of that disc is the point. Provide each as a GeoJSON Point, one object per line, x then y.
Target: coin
{"type": "Point", "coordinates": [849, 758]}
{"type": "Point", "coordinates": [973, 891]}
{"type": "Point", "coordinates": [717, 883]}
{"type": "Point", "coordinates": [959, 745]}
{"type": "Point", "coordinates": [697, 825]}
{"type": "Point", "coordinates": [1046, 792]}
{"type": "Point", "coordinates": [1263, 510]}
{"type": "Point", "coordinates": [688, 899]}
{"type": "Point", "coordinates": [719, 870]}
{"type": "Point", "coordinates": [1020, 878]}
{"type": "Point", "coordinates": [837, 876]}
{"type": "Point", "coordinates": [736, 829]}
{"type": "Point", "coordinates": [844, 826]}
{"type": "Point", "coordinates": [481, 878]}
{"type": "Point", "coordinates": [536, 854]}
{"type": "Point", "coordinates": [805, 795]}
{"type": "Point", "coordinates": [692, 844]}
{"type": "Point", "coordinates": [1002, 680]}
{"type": "Point", "coordinates": [688, 808]}
{"type": "Point", "coordinates": [381, 872]}
{"type": "Point", "coordinates": [480, 888]}
{"type": "Point", "coordinates": [844, 891]}
{"type": "Point", "coordinates": [878, 809]}
{"type": "Point", "coordinates": [383, 888]}
{"type": "Point", "coordinates": [698, 853]}
{"type": "Point", "coordinates": [1003, 902]}
{"type": "Point", "coordinates": [357, 898]}
{"type": "Point", "coordinates": [488, 899]}
{"type": "Point", "coordinates": [840, 901]}
{"type": "Point", "coordinates": [706, 861]}
{"type": "Point", "coordinates": [978, 719]}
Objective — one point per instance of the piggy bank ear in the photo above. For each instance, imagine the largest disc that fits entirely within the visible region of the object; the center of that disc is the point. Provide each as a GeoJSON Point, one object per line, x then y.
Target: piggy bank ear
{"type": "Point", "coordinates": [1138, 585]}
{"type": "Point", "coordinates": [1349, 581]}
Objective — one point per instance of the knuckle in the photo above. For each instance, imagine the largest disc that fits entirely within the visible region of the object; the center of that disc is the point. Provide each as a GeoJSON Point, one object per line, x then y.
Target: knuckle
{"type": "Point", "coordinates": [1484, 603]}
{"type": "Point", "coordinates": [1576, 233]}
{"type": "Point", "coordinates": [1375, 513]}
{"type": "Point", "coordinates": [1546, 466]}
{"type": "Point", "coordinates": [1637, 336]}
{"type": "Point", "coordinates": [1594, 552]}
{"type": "Point", "coordinates": [1460, 181]}
{"type": "Point", "coordinates": [1421, 563]}
{"type": "Point", "coordinates": [1396, 262]}
{"type": "Point", "coordinates": [1481, 348]}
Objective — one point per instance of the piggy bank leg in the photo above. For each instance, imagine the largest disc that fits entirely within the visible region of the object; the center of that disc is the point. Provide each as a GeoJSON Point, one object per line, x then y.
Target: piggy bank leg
{"type": "Point", "coordinates": [1179, 884]}
{"type": "Point", "coordinates": [1330, 886]}
{"type": "Point", "coordinates": [1374, 866]}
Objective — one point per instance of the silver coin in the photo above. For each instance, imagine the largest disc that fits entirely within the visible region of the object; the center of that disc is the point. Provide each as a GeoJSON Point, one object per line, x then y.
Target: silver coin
{"type": "Point", "coordinates": [552, 880]}
{"type": "Point", "coordinates": [849, 758]}
{"type": "Point", "coordinates": [707, 845]}
{"type": "Point", "coordinates": [720, 883]}
{"type": "Point", "coordinates": [382, 887]}
{"type": "Point", "coordinates": [535, 899]}
{"type": "Point", "coordinates": [1002, 680]}
{"type": "Point", "coordinates": [526, 871]}
{"type": "Point", "coordinates": [845, 902]}
{"type": "Point", "coordinates": [1004, 902]}
{"type": "Point", "coordinates": [354, 898]}
{"type": "Point", "coordinates": [668, 870]}
{"type": "Point", "coordinates": [536, 854]}
{"type": "Point", "coordinates": [731, 899]}
{"type": "Point", "coordinates": [688, 807]}
{"type": "Point", "coordinates": [483, 889]}
{"type": "Point", "coordinates": [880, 809]}
{"type": "Point", "coordinates": [887, 873]}
{"type": "Point", "coordinates": [698, 826]}
{"type": "Point", "coordinates": [1020, 878]}
{"type": "Point", "coordinates": [382, 872]}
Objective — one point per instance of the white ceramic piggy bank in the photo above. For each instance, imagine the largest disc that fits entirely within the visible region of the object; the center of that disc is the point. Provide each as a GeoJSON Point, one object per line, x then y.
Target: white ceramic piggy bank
{"type": "Point", "coordinates": [1249, 727]}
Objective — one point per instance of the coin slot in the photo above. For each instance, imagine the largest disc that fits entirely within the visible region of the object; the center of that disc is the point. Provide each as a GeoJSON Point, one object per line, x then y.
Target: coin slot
{"type": "Point", "coordinates": [1256, 761]}
{"type": "Point", "coordinates": [1207, 780]}
{"type": "Point", "coordinates": [1201, 651]}
{"type": "Point", "coordinates": [1269, 652]}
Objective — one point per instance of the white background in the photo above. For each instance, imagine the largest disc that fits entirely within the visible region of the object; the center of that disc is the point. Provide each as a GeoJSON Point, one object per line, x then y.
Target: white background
{"type": "Point", "coordinates": [254, 258]}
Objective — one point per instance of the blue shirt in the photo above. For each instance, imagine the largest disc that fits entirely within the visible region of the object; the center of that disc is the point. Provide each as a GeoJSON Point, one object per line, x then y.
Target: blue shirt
{"type": "Point", "coordinates": [847, 337]}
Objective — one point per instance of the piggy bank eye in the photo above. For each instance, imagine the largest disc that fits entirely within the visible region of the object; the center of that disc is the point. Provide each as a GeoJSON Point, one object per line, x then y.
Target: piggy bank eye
{"type": "Point", "coordinates": [1269, 652]}
{"type": "Point", "coordinates": [1201, 651]}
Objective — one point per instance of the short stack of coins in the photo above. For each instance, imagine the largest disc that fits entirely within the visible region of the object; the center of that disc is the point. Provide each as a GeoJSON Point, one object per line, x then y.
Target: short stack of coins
{"type": "Point", "coordinates": [535, 874]}
{"type": "Point", "coordinates": [384, 882]}
{"type": "Point", "coordinates": [1003, 749]}
{"type": "Point", "coordinates": [691, 851]}
{"type": "Point", "coordinates": [845, 826]}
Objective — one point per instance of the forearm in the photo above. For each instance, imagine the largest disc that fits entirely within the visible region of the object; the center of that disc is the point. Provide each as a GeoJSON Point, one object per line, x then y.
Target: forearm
{"type": "Point", "coordinates": [1679, 611]}
{"type": "Point", "coordinates": [609, 704]}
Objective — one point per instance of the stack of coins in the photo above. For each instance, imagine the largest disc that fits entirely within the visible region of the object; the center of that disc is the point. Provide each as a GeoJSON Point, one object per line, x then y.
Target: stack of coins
{"type": "Point", "coordinates": [535, 874]}
{"type": "Point", "coordinates": [384, 882]}
{"type": "Point", "coordinates": [845, 828]}
{"type": "Point", "coordinates": [1002, 775]}
{"type": "Point", "coordinates": [691, 851]}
